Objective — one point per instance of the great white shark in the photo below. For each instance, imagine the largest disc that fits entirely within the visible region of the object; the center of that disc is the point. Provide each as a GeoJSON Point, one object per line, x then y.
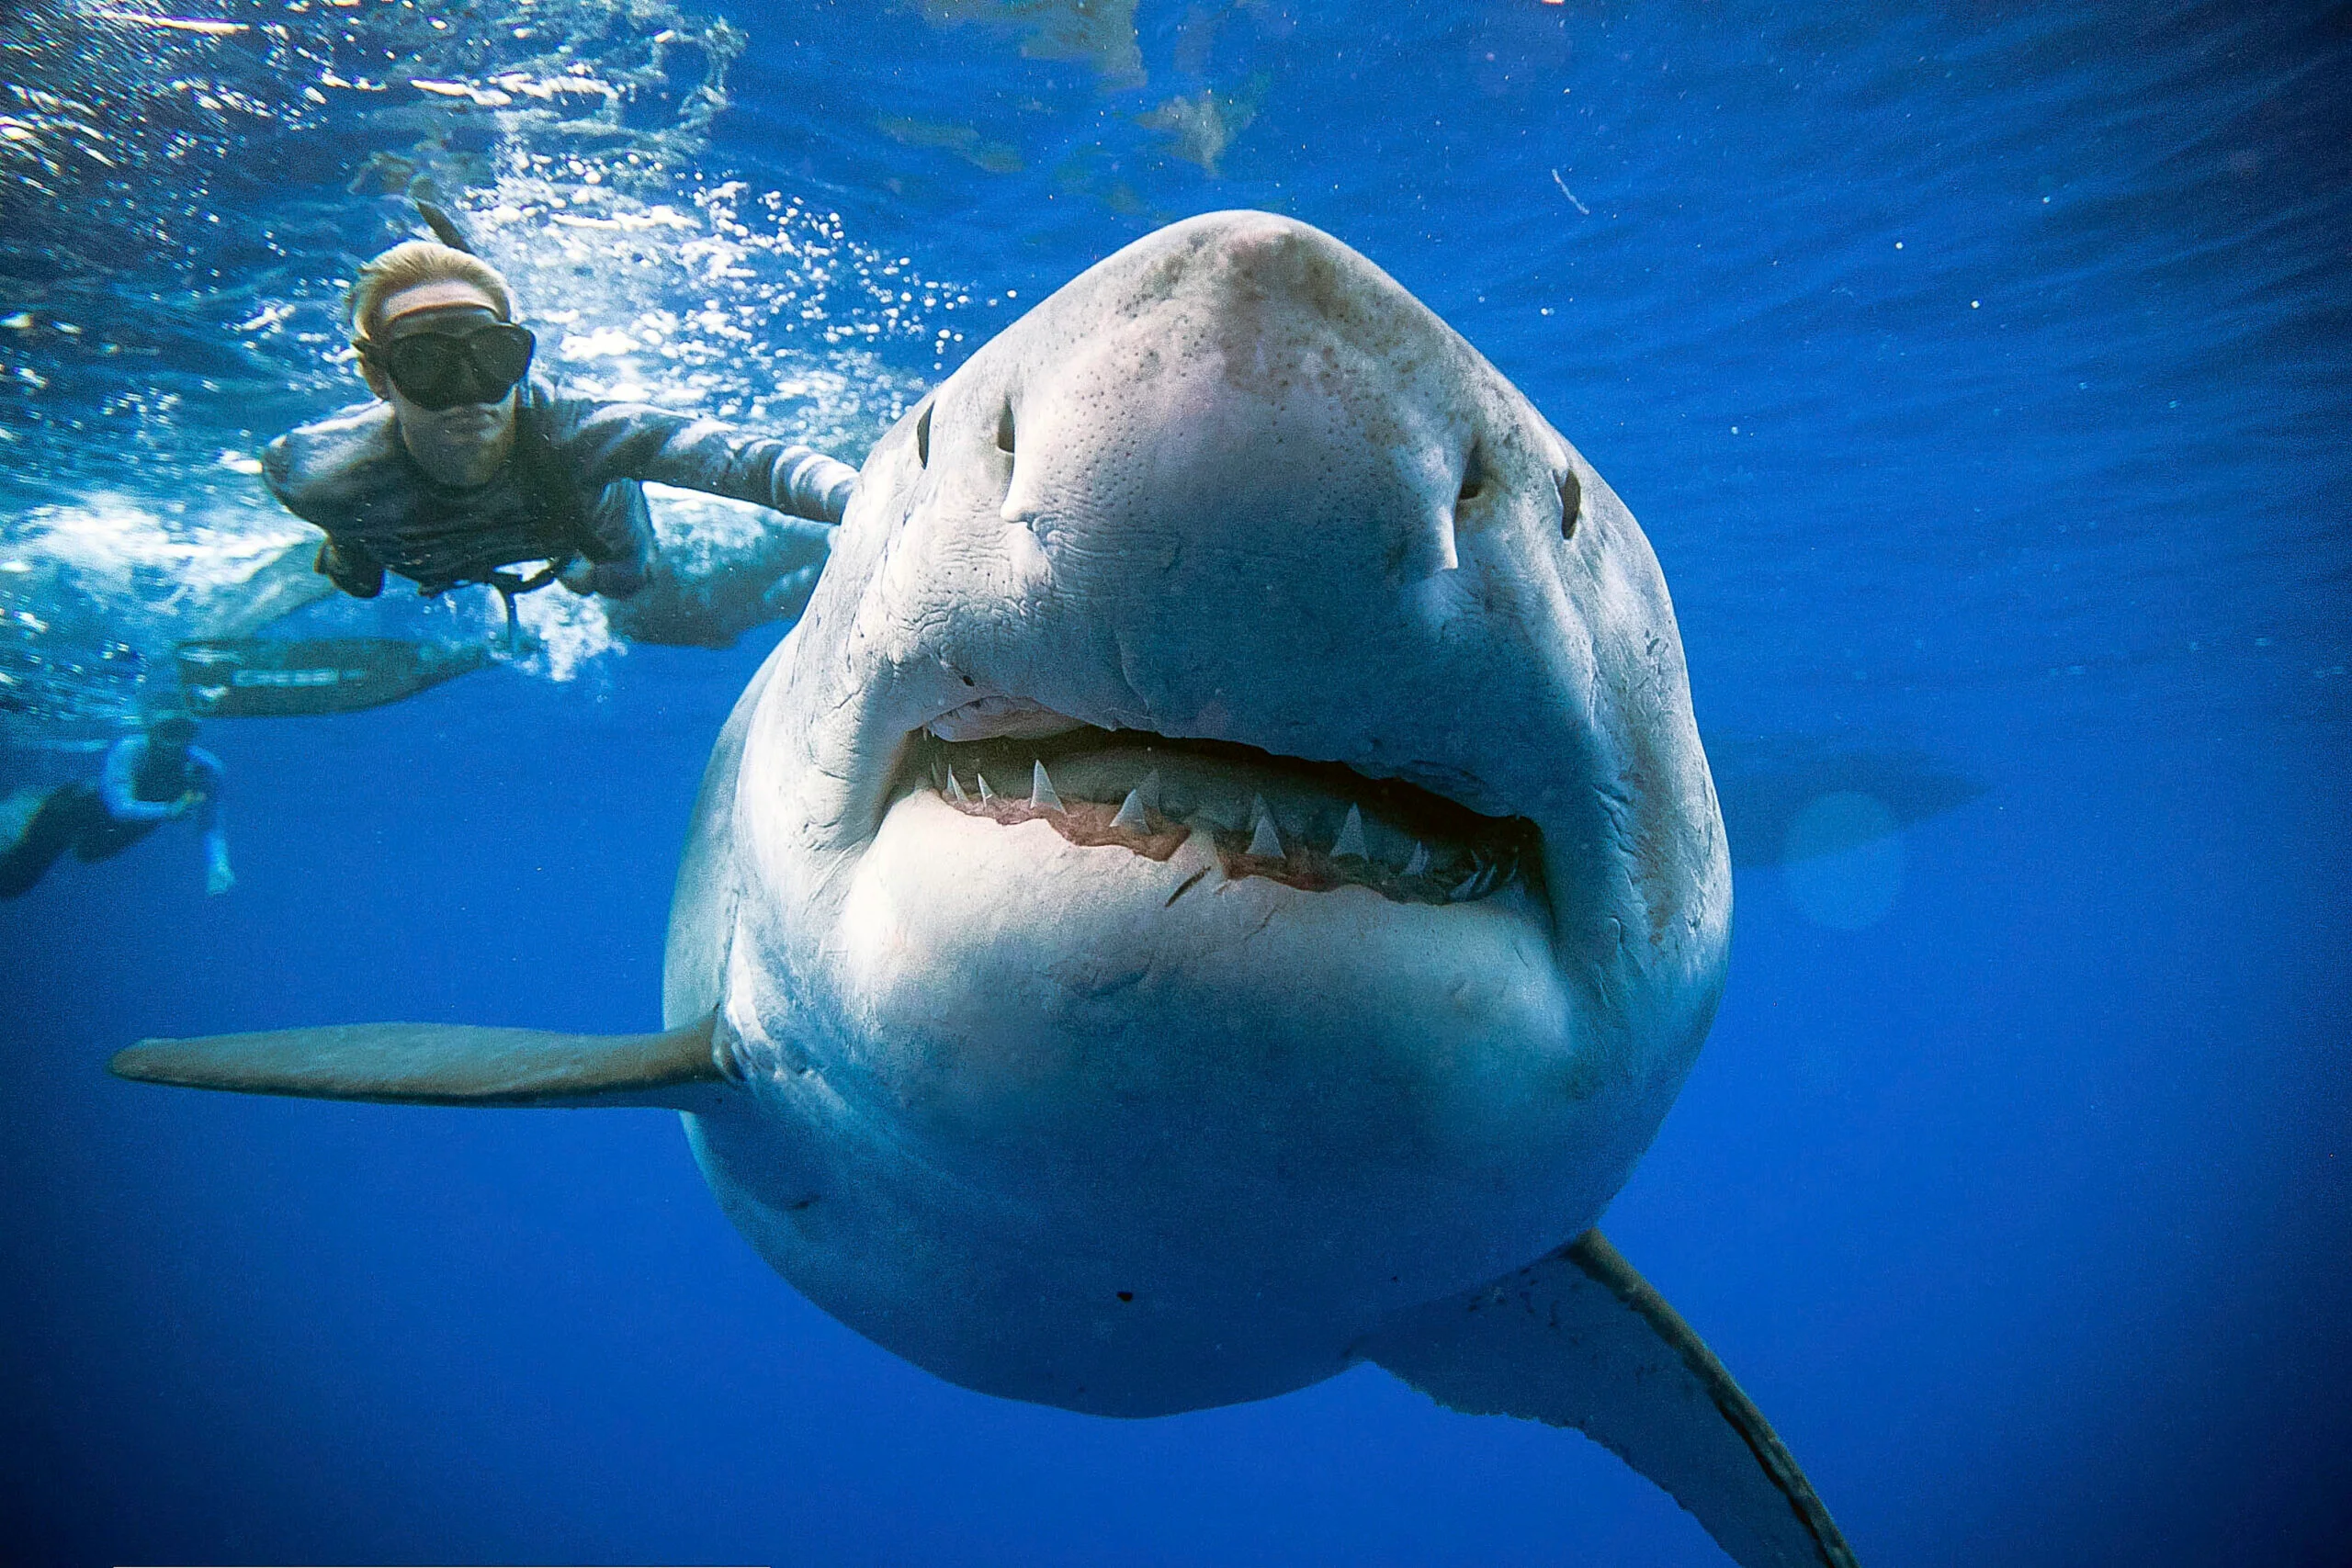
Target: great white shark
{"type": "Point", "coordinates": [1221, 884]}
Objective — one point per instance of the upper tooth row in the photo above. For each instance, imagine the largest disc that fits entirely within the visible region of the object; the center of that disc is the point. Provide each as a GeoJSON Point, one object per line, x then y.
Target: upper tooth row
{"type": "Point", "coordinates": [1265, 839]}
{"type": "Point", "coordinates": [1044, 798]}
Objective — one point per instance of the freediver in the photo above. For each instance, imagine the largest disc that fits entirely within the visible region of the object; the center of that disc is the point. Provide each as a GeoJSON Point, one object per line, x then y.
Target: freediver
{"type": "Point", "coordinates": [467, 466]}
{"type": "Point", "coordinates": [149, 778]}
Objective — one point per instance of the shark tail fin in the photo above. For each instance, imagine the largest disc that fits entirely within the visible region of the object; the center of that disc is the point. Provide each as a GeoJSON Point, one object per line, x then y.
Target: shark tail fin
{"type": "Point", "coordinates": [689, 1068]}
{"type": "Point", "coordinates": [1580, 1339]}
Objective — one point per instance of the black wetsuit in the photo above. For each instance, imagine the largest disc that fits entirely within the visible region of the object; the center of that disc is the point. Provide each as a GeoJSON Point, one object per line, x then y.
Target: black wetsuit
{"type": "Point", "coordinates": [570, 489]}
{"type": "Point", "coordinates": [81, 817]}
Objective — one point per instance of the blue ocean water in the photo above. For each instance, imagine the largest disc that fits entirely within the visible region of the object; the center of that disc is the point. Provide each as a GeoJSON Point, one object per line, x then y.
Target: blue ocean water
{"type": "Point", "coordinates": [1980, 373]}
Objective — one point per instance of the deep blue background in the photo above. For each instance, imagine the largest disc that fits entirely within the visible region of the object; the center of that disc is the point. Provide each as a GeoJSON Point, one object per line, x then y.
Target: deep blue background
{"type": "Point", "coordinates": [2023, 1213]}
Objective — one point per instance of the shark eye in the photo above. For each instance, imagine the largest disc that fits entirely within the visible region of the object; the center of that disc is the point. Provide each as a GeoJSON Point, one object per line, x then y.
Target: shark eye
{"type": "Point", "coordinates": [1005, 431]}
{"type": "Point", "coordinates": [1571, 502]}
{"type": "Point", "coordinates": [923, 437]}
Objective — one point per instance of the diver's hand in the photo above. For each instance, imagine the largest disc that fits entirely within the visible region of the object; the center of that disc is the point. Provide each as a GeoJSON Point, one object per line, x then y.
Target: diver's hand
{"type": "Point", "coordinates": [609, 579]}
{"type": "Point", "coordinates": [361, 578]}
{"type": "Point", "coordinates": [188, 801]}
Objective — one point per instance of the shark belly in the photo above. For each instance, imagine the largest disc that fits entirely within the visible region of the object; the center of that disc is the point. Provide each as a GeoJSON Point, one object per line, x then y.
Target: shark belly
{"type": "Point", "coordinates": [1144, 1165]}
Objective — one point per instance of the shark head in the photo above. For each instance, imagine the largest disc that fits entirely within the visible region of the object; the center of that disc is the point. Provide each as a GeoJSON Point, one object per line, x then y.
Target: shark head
{"type": "Point", "coordinates": [1225, 856]}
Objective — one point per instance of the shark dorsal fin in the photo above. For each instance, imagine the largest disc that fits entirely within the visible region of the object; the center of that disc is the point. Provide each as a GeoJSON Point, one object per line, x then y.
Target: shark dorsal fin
{"type": "Point", "coordinates": [439, 1063]}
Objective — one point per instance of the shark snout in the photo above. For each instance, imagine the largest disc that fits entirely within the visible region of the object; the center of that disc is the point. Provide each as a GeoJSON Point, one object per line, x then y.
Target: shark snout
{"type": "Point", "coordinates": [1264, 498]}
{"type": "Point", "coordinates": [1261, 392]}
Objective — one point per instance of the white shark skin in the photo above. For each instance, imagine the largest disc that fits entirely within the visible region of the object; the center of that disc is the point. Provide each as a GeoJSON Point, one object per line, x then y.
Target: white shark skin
{"type": "Point", "coordinates": [996, 1079]}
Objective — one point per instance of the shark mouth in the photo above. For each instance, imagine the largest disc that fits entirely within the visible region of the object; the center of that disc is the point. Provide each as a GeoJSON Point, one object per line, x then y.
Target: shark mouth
{"type": "Point", "coordinates": [1312, 826]}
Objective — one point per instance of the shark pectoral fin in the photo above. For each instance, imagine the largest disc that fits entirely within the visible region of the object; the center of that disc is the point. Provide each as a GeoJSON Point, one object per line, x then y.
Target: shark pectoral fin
{"type": "Point", "coordinates": [438, 1064]}
{"type": "Point", "coordinates": [1579, 1339]}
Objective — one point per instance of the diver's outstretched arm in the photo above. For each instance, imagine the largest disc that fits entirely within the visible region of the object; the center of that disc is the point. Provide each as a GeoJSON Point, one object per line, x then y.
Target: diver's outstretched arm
{"type": "Point", "coordinates": [218, 878]}
{"type": "Point", "coordinates": [604, 441]}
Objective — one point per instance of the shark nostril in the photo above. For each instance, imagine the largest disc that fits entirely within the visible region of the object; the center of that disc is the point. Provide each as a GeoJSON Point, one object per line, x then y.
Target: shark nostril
{"type": "Point", "coordinates": [1571, 502]}
{"type": "Point", "coordinates": [1005, 431]}
{"type": "Point", "coordinates": [1474, 476]}
{"type": "Point", "coordinates": [923, 437]}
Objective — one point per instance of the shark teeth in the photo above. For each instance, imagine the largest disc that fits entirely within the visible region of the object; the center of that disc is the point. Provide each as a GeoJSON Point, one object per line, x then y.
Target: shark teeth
{"type": "Point", "coordinates": [1041, 790]}
{"type": "Point", "coordinates": [1287, 828]}
{"type": "Point", "coordinates": [1264, 843]}
{"type": "Point", "coordinates": [1351, 840]}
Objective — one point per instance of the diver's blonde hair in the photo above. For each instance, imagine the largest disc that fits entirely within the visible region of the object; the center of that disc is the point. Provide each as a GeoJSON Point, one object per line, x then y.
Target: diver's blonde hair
{"type": "Point", "coordinates": [415, 262]}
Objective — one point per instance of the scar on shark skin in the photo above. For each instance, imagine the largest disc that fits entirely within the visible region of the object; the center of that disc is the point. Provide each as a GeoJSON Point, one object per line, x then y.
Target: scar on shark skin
{"type": "Point", "coordinates": [1185, 887]}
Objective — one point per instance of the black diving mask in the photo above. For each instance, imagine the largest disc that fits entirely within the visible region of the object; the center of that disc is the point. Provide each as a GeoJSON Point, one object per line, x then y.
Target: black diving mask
{"type": "Point", "coordinates": [440, 370]}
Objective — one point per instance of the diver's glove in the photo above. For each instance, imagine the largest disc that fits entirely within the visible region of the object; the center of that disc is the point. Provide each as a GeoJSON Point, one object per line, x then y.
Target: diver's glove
{"type": "Point", "coordinates": [361, 580]}
{"type": "Point", "coordinates": [613, 579]}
